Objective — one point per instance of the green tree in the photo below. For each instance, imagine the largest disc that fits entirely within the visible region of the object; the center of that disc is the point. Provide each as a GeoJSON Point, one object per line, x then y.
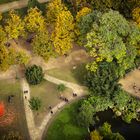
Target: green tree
{"type": "Point", "coordinates": [107, 133]}
{"type": "Point", "coordinates": [105, 80]}
{"type": "Point", "coordinates": [34, 74]}
{"type": "Point", "coordinates": [42, 45]}
{"type": "Point", "coordinates": [61, 88]}
{"type": "Point", "coordinates": [85, 115]}
{"type": "Point", "coordinates": [35, 103]}
{"type": "Point", "coordinates": [33, 4]}
{"type": "Point", "coordinates": [110, 39]}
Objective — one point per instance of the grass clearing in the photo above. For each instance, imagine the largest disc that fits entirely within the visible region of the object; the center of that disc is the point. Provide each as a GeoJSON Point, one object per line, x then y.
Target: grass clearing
{"type": "Point", "coordinates": [64, 125]}
{"type": "Point", "coordinates": [49, 95]}
{"type": "Point", "coordinates": [69, 74]}
{"type": "Point", "coordinates": [17, 121]}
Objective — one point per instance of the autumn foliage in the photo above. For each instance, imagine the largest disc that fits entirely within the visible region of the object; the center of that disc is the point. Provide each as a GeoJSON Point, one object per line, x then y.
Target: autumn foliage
{"type": "Point", "coordinates": [2, 110]}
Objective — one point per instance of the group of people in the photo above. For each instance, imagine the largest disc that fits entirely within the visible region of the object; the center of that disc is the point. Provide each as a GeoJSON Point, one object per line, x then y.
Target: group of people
{"type": "Point", "coordinates": [136, 89]}
{"type": "Point", "coordinates": [50, 108]}
{"type": "Point", "coordinates": [64, 99]}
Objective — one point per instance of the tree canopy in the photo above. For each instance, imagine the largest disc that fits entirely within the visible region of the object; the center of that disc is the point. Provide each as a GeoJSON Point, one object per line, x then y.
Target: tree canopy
{"type": "Point", "coordinates": [34, 74]}
{"type": "Point", "coordinates": [111, 39]}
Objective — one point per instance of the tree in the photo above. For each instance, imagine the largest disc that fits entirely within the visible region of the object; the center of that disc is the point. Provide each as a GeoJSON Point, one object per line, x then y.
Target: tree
{"type": "Point", "coordinates": [14, 26]}
{"type": "Point", "coordinates": [84, 25]}
{"type": "Point", "coordinates": [110, 39]}
{"type": "Point", "coordinates": [3, 38]}
{"type": "Point", "coordinates": [105, 130]}
{"type": "Point", "coordinates": [35, 103]}
{"type": "Point", "coordinates": [84, 11]}
{"type": "Point", "coordinates": [94, 135]}
{"type": "Point", "coordinates": [34, 20]}
{"type": "Point", "coordinates": [4, 58]}
{"type": "Point", "coordinates": [136, 15]}
{"type": "Point", "coordinates": [42, 45]}
{"type": "Point", "coordinates": [62, 36]}
{"type": "Point", "coordinates": [53, 9]}
{"type": "Point", "coordinates": [34, 74]}
{"type": "Point", "coordinates": [61, 87]}
{"type": "Point", "coordinates": [85, 115]}
{"type": "Point", "coordinates": [107, 133]}
{"type": "Point", "coordinates": [105, 80]}
{"type": "Point", "coordinates": [33, 4]}
{"type": "Point", "coordinates": [22, 58]}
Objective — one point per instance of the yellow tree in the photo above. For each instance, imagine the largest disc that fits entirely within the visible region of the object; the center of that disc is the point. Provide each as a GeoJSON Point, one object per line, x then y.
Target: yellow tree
{"type": "Point", "coordinates": [84, 11]}
{"type": "Point", "coordinates": [95, 135]}
{"type": "Point", "coordinates": [53, 9]}
{"type": "Point", "coordinates": [4, 58]}
{"type": "Point", "coordinates": [3, 37]}
{"type": "Point", "coordinates": [62, 36]}
{"type": "Point", "coordinates": [34, 20]}
{"type": "Point", "coordinates": [14, 26]}
{"type": "Point", "coordinates": [136, 15]}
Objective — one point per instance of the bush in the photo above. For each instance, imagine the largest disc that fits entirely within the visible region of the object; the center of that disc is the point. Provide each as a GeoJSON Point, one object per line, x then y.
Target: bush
{"type": "Point", "coordinates": [34, 75]}
{"type": "Point", "coordinates": [35, 103]}
{"type": "Point", "coordinates": [61, 87]}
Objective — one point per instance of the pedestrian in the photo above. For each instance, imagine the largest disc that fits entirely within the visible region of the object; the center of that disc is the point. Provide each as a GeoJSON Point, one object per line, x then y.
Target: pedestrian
{"type": "Point", "coordinates": [51, 112]}
{"type": "Point", "coordinates": [50, 107]}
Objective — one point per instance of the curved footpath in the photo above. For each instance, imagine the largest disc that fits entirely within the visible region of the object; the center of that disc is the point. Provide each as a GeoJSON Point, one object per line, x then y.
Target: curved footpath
{"type": "Point", "coordinates": [37, 132]}
{"type": "Point", "coordinates": [16, 5]}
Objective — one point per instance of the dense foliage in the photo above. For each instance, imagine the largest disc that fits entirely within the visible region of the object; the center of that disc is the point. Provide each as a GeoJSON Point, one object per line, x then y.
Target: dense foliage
{"type": "Point", "coordinates": [112, 37]}
{"type": "Point", "coordinates": [34, 74]}
{"type": "Point", "coordinates": [42, 45]}
{"type": "Point", "coordinates": [35, 103]}
{"type": "Point", "coordinates": [106, 132]}
{"type": "Point", "coordinates": [106, 93]}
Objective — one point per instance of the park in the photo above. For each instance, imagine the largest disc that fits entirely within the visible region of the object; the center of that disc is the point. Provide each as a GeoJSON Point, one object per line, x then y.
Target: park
{"type": "Point", "coordinates": [69, 69]}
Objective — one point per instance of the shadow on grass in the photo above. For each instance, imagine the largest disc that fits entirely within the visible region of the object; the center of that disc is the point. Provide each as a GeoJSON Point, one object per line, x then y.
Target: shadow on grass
{"type": "Point", "coordinates": [79, 73]}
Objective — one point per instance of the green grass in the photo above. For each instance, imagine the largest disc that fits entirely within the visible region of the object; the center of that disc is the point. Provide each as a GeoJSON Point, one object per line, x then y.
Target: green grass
{"type": "Point", "coordinates": [12, 87]}
{"type": "Point", "coordinates": [6, 1]}
{"type": "Point", "coordinates": [48, 94]}
{"type": "Point", "coordinates": [68, 74]}
{"type": "Point", "coordinates": [64, 125]}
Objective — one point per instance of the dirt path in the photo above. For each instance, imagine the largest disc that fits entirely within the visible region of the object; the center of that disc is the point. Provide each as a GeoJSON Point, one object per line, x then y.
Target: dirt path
{"type": "Point", "coordinates": [29, 114]}
{"type": "Point", "coordinates": [128, 83]}
{"type": "Point", "coordinates": [16, 5]}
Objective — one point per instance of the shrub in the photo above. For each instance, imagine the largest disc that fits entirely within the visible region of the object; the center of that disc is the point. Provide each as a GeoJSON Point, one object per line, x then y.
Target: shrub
{"type": "Point", "coordinates": [61, 87]}
{"type": "Point", "coordinates": [35, 103]}
{"type": "Point", "coordinates": [34, 75]}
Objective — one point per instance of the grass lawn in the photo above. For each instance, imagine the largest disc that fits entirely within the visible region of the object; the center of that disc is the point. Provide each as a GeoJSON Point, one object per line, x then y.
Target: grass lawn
{"type": "Point", "coordinates": [69, 74]}
{"type": "Point", "coordinates": [64, 126]}
{"type": "Point", "coordinates": [6, 1]}
{"type": "Point", "coordinates": [49, 95]}
{"type": "Point", "coordinates": [14, 117]}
